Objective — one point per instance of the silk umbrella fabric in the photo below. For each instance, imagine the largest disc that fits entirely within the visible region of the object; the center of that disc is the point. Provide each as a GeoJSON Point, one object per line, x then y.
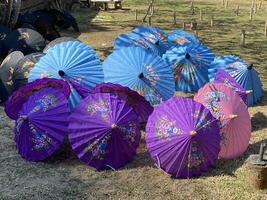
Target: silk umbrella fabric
{"type": "Point", "coordinates": [59, 41]}
{"type": "Point", "coordinates": [104, 131]}
{"type": "Point", "coordinates": [23, 68]}
{"type": "Point", "coordinates": [189, 66]}
{"type": "Point", "coordinates": [180, 38]}
{"type": "Point", "coordinates": [183, 137]}
{"type": "Point", "coordinates": [154, 35]}
{"type": "Point", "coordinates": [225, 78]}
{"type": "Point", "coordinates": [231, 111]}
{"type": "Point", "coordinates": [142, 71]}
{"type": "Point", "coordinates": [41, 125]}
{"type": "Point", "coordinates": [19, 97]}
{"type": "Point", "coordinates": [24, 40]}
{"type": "Point", "coordinates": [72, 62]}
{"type": "Point", "coordinates": [134, 40]}
{"type": "Point", "coordinates": [242, 72]}
{"type": "Point", "coordinates": [7, 69]}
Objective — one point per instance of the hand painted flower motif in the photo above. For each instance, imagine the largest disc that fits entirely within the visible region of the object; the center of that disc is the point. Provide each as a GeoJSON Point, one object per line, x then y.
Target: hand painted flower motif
{"type": "Point", "coordinates": [45, 75]}
{"type": "Point", "coordinates": [46, 102]}
{"type": "Point", "coordinates": [151, 75]}
{"type": "Point", "coordinates": [230, 85]}
{"type": "Point", "coordinates": [202, 121]}
{"type": "Point", "coordinates": [181, 40]}
{"type": "Point", "coordinates": [196, 158]}
{"type": "Point", "coordinates": [165, 128]}
{"type": "Point", "coordinates": [130, 131]}
{"type": "Point", "coordinates": [40, 141]}
{"type": "Point", "coordinates": [99, 107]}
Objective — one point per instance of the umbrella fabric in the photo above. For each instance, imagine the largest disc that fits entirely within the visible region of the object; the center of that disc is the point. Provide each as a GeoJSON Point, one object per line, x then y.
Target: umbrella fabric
{"type": "Point", "coordinates": [24, 40]}
{"type": "Point", "coordinates": [104, 131]}
{"type": "Point", "coordinates": [242, 72]}
{"type": "Point", "coordinates": [59, 41]}
{"type": "Point", "coordinates": [181, 38]}
{"type": "Point", "coordinates": [32, 17]}
{"type": "Point", "coordinates": [231, 111]}
{"type": "Point", "coordinates": [20, 96]}
{"type": "Point", "coordinates": [154, 35]}
{"type": "Point", "coordinates": [23, 68]}
{"type": "Point", "coordinates": [142, 71]}
{"type": "Point", "coordinates": [7, 69]}
{"type": "Point", "coordinates": [134, 40]}
{"type": "Point", "coordinates": [4, 31]}
{"type": "Point", "coordinates": [26, 25]}
{"type": "Point", "coordinates": [68, 62]}
{"type": "Point", "coordinates": [183, 137]}
{"type": "Point", "coordinates": [3, 92]}
{"type": "Point", "coordinates": [41, 125]}
{"type": "Point", "coordinates": [140, 105]}
{"type": "Point", "coordinates": [189, 66]}
{"type": "Point", "coordinates": [225, 78]}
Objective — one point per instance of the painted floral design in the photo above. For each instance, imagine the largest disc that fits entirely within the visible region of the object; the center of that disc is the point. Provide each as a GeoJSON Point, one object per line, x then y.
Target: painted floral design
{"type": "Point", "coordinates": [40, 141]}
{"type": "Point", "coordinates": [151, 75]}
{"type": "Point", "coordinates": [98, 148]}
{"type": "Point", "coordinates": [46, 102]}
{"type": "Point", "coordinates": [129, 131]}
{"type": "Point", "coordinates": [151, 95]}
{"type": "Point", "coordinates": [181, 40]}
{"type": "Point", "coordinates": [165, 128]}
{"type": "Point", "coordinates": [45, 74]}
{"type": "Point", "coordinates": [99, 107]}
{"type": "Point", "coordinates": [177, 69]}
{"type": "Point", "coordinates": [230, 85]}
{"type": "Point", "coordinates": [201, 120]}
{"type": "Point", "coordinates": [195, 157]}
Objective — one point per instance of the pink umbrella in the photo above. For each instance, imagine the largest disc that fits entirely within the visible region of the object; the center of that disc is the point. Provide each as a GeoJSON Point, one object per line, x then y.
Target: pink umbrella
{"type": "Point", "coordinates": [233, 115]}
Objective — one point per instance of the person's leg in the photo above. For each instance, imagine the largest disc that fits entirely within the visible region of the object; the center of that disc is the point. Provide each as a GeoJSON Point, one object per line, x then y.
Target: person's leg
{"type": "Point", "coordinates": [3, 92]}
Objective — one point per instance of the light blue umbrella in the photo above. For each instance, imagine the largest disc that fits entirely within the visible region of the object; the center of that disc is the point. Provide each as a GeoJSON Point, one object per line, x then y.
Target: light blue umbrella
{"type": "Point", "coordinates": [71, 63]}
{"type": "Point", "coordinates": [155, 36]}
{"type": "Point", "coordinates": [142, 71]}
{"type": "Point", "coordinates": [242, 72]}
{"type": "Point", "coordinates": [189, 66]}
{"type": "Point", "coordinates": [181, 38]}
{"type": "Point", "coordinates": [134, 40]}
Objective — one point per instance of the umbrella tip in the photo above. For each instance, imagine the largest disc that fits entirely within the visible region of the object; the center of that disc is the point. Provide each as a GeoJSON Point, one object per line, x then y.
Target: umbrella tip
{"type": "Point", "coordinates": [250, 67]}
{"type": "Point", "coordinates": [193, 133]}
{"type": "Point", "coordinates": [113, 126]}
{"type": "Point", "coordinates": [61, 73]}
{"type": "Point", "coordinates": [249, 91]}
{"type": "Point", "coordinates": [141, 75]}
{"type": "Point", "coordinates": [187, 56]}
{"type": "Point", "coordinates": [157, 43]}
{"type": "Point", "coordinates": [233, 116]}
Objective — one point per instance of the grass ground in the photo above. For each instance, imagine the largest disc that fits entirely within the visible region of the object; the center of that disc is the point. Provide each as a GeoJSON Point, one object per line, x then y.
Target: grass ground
{"type": "Point", "coordinates": [65, 177]}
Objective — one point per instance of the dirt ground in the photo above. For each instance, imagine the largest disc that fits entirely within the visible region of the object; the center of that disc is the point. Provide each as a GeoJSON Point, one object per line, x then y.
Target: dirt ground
{"type": "Point", "coordinates": [63, 176]}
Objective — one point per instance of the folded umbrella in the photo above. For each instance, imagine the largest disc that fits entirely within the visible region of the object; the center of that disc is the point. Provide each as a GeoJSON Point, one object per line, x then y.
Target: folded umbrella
{"type": "Point", "coordinates": [142, 71]}
{"type": "Point", "coordinates": [182, 38]}
{"type": "Point", "coordinates": [104, 131]}
{"type": "Point", "coordinates": [41, 125]}
{"type": "Point", "coordinates": [231, 111]}
{"type": "Point", "coordinates": [190, 66]}
{"type": "Point", "coordinates": [20, 96]}
{"type": "Point", "coordinates": [183, 137]}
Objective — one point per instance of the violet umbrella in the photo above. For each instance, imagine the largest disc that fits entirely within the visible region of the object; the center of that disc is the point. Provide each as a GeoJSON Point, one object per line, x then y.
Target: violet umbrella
{"type": "Point", "coordinates": [183, 137]}
{"type": "Point", "coordinates": [104, 131]}
{"type": "Point", "coordinates": [20, 96]}
{"type": "Point", "coordinates": [41, 125]}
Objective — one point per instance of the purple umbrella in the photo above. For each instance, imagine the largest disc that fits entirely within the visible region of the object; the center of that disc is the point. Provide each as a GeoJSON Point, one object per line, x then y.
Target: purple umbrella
{"type": "Point", "coordinates": [19, 97]}
{"type": "Point", "coordinates": [41, 124]}
{"type": "Point", "coordinates": [183, 137]}
{"type": "Point", "coordinates": [104, 131]}
{"type": "Point", "coordinates": [225, 78]}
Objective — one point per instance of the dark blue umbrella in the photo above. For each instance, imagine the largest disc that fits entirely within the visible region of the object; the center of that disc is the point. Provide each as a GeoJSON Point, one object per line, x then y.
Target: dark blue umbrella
{"type": "Point", "coordinates": [190, 66]}
{"type": "Point", "coordinates": [4, 31]}
{"type": "Point", "coordinates": [242, 72]}
{"type": "Point", "coordinates": [181, 38]}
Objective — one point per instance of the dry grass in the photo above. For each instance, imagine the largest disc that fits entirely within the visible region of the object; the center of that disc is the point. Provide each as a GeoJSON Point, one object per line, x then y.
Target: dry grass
{"type": "Point", "coordinates": [65, 177]}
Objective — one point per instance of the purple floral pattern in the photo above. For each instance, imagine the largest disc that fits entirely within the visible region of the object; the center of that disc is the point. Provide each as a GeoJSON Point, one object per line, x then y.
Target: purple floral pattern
{"type": "Point", "coordinates": [129, 130]}
{"type": "Point", "coordinates": [40, 141]}
{"type": "Point", "coordinates": [230, 85]}
{"type": "Point", "coordinates": [201, 120]}
{"type": "Point", "coordinates": [195, 157]}
{"type": "Point", "coordinates": [166, 128]}
{"type": "Point", "coordinates": [46, 102]}
{"type": "Point", "coordinates": [99, 107]}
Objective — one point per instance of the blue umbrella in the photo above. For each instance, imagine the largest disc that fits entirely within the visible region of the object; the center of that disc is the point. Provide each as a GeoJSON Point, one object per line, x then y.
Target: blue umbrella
{"type": "Point", "coordinates": [75, 65]}
{"type": "Point", "coordinates": [134, 40]}
{"type": "Point", "coordinates": [242, 72]}
{"type": "Point", "coordinates": [190, 66]}
{"type": "Point", "coordinates": [154, 35]}
{"type": "Point", "coordinates": [142, 71]}
{"type": "Point", "coordinates": [181, 38]}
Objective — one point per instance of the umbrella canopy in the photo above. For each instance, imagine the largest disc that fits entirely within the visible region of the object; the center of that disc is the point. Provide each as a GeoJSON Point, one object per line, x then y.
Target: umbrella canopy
{"type": "Point", "coordinates": [7, 69]}
{"type": "Point", "coordinates": [59, 41]}
{"type": "Point", "coordinates": [183, 137]}
{"type": "Point", "coordinates": [24, 40]}
{"type": "Point", "coordinates": [142, 71]}
{"type": "Point", "coordinates": [4, 31]}
{"type": "Point", "coordinates": [20, 96]}
{"type": "Point", "coordinates": [225, 78]}
{"type": "Point", "coordinates": [140, 105]}
{"type": "Point", "coordinates": [134, 40]}
{"type": "Point", "coordinates": [41, 125]}
{"type": "Point", "coordinates": [242, 72]}
{"type": "Point", "coordinates": [181, 38]}
{"type": "Point", "coordinates": [231, 111]}
{"type": "Point", "coordinates": [69, 62]}
{"type": "Point", "coordinates": [23, 68]}
{"type": "Point", "coordinates": [104, 131]}
{"type": "Point", "coordinates": [189, 66]}
{"type": "Point", "coordinates": [154, 35]}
